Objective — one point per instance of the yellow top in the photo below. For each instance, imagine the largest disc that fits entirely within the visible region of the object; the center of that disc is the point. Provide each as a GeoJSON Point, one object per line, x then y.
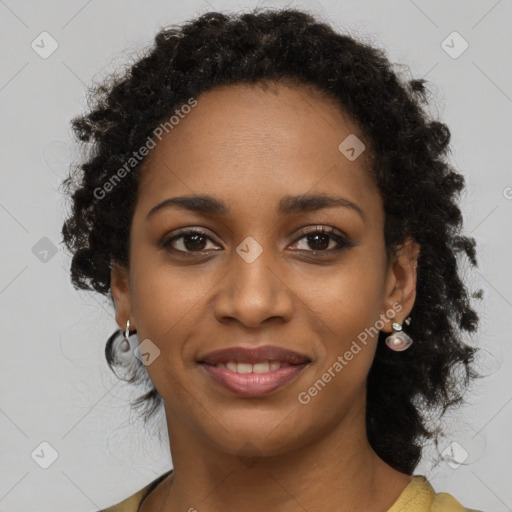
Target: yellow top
{"type": "Point", "coordinates": [418, 496]}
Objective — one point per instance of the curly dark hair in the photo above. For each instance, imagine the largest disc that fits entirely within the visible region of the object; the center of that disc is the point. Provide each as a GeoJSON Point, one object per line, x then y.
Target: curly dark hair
{"type": "Point", "coordinates": [408, 149]}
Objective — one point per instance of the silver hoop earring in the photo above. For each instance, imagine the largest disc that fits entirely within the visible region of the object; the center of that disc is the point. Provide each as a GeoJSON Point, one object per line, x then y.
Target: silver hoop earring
{"type": "Point", "coordinates": [399, 340]}
{"type": "Point", "coordinates": [124, 346]}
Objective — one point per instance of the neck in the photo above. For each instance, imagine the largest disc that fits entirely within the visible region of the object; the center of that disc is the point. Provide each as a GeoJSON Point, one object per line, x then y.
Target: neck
{"type": "Point", "coordinates": [337, 471]}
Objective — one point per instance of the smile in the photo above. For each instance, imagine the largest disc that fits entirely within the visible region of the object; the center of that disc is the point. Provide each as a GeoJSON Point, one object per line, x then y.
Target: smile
{"type": "Point", "coordinates": [263, 367]}
{"type": "Point", "coordinates": [250, 380]}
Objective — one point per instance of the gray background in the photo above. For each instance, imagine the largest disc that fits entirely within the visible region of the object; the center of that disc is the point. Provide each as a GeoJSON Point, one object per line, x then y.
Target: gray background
{"type": "Point", "coordinates": [55, 385]}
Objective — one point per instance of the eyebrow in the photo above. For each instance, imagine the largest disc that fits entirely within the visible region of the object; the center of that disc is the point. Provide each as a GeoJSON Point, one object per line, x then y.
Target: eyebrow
{"type": "Point", "coordinates": [288, 205]}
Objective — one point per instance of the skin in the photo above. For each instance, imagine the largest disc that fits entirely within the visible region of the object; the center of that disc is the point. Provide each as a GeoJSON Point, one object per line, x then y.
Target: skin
{"type": "Point", "coordinates": [250, 146]}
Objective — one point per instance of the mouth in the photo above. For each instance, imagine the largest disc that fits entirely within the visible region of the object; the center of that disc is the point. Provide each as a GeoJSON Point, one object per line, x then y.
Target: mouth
{"type": "Point", "coordinates": [253, 372]}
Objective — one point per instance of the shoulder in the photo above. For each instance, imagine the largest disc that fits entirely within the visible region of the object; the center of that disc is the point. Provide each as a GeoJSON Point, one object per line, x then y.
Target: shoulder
{"type": "Point", "coordinates": [419, 496]}
{"type": "Point", "coordinates": [132, 503]}
{"type": "Point", "coordinates": [446, 502]}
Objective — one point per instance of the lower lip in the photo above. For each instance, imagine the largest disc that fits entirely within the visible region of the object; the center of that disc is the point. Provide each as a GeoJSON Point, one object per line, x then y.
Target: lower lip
{"type": "Point", "coordinates": [254, 384]}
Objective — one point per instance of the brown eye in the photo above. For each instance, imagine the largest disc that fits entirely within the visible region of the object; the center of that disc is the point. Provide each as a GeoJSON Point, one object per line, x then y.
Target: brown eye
{"type": "Point", "coordinates": [319, 240]}
{"type": "Point", "coordinates": [189, 241]}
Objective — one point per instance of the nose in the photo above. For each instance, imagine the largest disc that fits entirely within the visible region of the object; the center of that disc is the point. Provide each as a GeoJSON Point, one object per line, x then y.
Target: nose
{"type": "Point", "coordinates": [254, 291]}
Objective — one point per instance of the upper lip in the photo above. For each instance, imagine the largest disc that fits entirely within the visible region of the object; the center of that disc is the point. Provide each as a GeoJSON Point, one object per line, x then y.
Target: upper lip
{"type": "Point", "coordinates": [254, 355]}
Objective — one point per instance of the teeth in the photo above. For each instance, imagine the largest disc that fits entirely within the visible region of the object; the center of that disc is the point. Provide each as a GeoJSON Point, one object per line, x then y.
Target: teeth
{"type": "Point", "coordinates": [263, 367]}
{"type": "Point", "coordinates": [231, 365]}
{"type": "Point", "coordinates": [244, 368]}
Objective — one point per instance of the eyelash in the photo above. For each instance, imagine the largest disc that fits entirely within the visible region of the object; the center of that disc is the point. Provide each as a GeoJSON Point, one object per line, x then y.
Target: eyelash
{"type": "Point", "coordinates": [342, 241]}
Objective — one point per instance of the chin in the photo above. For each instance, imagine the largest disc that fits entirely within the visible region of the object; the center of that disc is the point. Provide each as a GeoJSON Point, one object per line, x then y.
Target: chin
{"type": "Point", "coordinates": [252, 439]}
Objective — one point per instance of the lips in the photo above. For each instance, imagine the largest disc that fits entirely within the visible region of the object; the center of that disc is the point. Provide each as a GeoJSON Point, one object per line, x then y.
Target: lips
{"type": "Point", "coordinates": [251, 372]}
{"type": "Point", "coordinates": [254, 355]}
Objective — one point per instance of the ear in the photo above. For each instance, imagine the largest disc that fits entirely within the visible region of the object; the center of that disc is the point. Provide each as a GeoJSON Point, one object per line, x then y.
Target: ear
{"type": "Point", "coordinates": [120, 287]}
{"type": "Point", "coordinates": [401, 283]}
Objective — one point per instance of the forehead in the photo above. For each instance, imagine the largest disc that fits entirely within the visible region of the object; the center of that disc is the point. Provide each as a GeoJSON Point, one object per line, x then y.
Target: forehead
{"type": "Point", "coordinates": [253, 144]}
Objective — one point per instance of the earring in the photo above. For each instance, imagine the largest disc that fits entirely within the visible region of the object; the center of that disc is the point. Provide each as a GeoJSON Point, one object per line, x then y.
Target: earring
{"type": "Point", "coordinates": [399, 340]}
{"type": "Point", "coordinates": [124, 346]}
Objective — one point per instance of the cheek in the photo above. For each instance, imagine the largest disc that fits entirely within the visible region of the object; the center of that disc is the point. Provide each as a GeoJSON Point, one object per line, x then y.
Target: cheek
{"type": "Point", "coordinates": [165, 309]}
{"type": "Point", "coordinates": [160, 294]}
{"type": "Point", "coordinates": [157, 303]}
{"type": "Point", "coordinates": [169, 304]}
{"type": "Point", "coordinates": [348, 299]}
{"type": "Point", "coordinates": [346, 305]}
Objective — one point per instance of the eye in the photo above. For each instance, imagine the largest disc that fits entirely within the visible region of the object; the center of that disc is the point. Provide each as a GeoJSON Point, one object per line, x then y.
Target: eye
{"type": "Point", "coordinates": [320, 239]}
{"type": "Point", "coordinates": [195, 241]}
{"type": "Point", "coordinates": [191, 240]}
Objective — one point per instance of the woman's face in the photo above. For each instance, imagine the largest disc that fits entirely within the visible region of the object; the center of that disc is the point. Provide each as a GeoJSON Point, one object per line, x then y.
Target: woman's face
{"type": "Point", "coordinates": [258, 275]}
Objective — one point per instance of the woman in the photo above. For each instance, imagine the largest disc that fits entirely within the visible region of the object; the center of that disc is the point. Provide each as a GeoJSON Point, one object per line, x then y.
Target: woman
{"type": "Point", "coordinates": [268, 206]}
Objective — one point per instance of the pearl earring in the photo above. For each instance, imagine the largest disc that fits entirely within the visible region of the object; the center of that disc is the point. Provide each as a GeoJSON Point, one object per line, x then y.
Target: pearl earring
{"type": "Point", "coordinates": [124, 346]}
{"type": "Point", "coordinates": [399, 340]}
